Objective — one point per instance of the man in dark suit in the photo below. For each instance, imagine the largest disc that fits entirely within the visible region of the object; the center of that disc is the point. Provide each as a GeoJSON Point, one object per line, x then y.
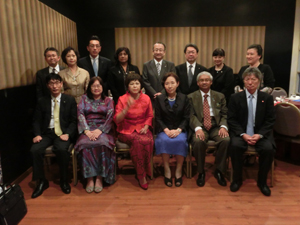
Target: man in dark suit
{"type": "Point", "coordinates": [251, 117]}
{"type": "Point", "coordinates": [95, 64]}
{"type": "Point", "coordinates": [155, 69]}
{"type": "Point", "coordinates": [54, 124]}
{"type": "Point", "coordinates": [188, 71]}
{"type": "Point", "coordinates": [52, 58]}
{"type": "Point", "coordinates": [209, 121]}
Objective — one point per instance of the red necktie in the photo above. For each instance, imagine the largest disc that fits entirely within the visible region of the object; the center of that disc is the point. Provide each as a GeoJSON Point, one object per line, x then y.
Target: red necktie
{"type": "Point", "coordinates": [206, 113]}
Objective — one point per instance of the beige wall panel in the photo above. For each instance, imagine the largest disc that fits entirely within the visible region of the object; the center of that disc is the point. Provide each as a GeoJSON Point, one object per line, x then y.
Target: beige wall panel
{"type": "Point", "coordinates": [27, 29]}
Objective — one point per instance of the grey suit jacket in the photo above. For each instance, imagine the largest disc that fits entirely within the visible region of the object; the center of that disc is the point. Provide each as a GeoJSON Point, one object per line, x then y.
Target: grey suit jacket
{"type": "Point", "coordinates": [218, 103]}
{"type": "Point", "coordinates": [151, 80]}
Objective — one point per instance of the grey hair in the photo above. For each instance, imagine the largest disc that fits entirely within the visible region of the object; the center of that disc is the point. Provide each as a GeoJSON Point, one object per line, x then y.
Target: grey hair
{"type": "Point", "coordinates": [204, 73]}
{"type": "Point", "coordinates": [252, 71]}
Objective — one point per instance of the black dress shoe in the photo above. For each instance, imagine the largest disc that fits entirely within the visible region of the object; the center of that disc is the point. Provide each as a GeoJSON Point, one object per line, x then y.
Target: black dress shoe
{"type": "Point", "coordinates": [65, 187]}
{"type": "Point", "coordinates": [220, 178]}
{"type": "Point", "coordinates": [43, 185]}
{"type": "Point", "coordinates": [264, 189]}
{"type": "Point", "coordinates": [201, 179]}
{"type": "Point", "coordinates": [235, 186]}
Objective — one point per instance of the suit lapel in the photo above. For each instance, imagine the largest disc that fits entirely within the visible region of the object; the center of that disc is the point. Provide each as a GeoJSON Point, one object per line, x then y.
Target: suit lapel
{"type": "Point", "coordinates": [163, 69]}
{"type": "Point", "coordinates": [196, 72]}
{"type": "Point", "coordinates": [99, 65]}
{"type": "Point", "coordinates": [89, 64]}
{"type": "Point", "coordinates": [153, 67]}
{"type": "Point", "coordinates": [197, 102]}
{"type": "Point", "coordinates": [213, 99]}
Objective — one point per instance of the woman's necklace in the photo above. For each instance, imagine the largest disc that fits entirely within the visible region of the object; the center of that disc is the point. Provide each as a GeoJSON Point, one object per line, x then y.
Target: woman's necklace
{"type": "Point", "coordinates": [172, 99]}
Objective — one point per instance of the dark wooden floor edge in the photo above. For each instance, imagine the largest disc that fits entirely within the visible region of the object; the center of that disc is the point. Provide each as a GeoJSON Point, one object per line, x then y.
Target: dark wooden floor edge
{"type": "Point", "coordinates": [22, 176]}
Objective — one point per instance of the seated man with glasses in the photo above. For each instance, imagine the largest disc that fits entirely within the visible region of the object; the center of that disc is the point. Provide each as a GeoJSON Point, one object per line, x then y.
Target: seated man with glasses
{"type": "Point", "coordinates": [95, 64]}
{"type": "Point", "coordinates": [54, 124]}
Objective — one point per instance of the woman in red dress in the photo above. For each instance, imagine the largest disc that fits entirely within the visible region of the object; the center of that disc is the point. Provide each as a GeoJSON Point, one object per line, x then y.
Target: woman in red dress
{"type": "Point", "coordinates": [133, 117]}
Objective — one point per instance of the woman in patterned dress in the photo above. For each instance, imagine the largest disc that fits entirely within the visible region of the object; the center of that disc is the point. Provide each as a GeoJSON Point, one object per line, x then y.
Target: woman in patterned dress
{"type": "Point", "coordinates": [96, 142]}
{"type": "Point", "coordinates": [133, 117]}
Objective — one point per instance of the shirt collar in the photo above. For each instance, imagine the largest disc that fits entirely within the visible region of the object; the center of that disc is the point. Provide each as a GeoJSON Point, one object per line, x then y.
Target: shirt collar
{"type": "Point", "coordinates": [95, 58]}
{"type": "Point", "coordinates": [202, 93]}
{"type": "Point", "coordinates": [160, 62]}
{"type": "Point", "coordinates": [254, 94]}
{"type": "Point", "coordinates": [188, 64]}
{"type": "Point", "coordinates": [57, 98]}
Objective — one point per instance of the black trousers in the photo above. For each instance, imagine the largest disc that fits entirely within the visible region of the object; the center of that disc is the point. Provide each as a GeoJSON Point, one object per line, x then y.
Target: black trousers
{"type": "Point", "coordinates": [265, 150]}
{"type": "Point", "coordinates": [60, 149]}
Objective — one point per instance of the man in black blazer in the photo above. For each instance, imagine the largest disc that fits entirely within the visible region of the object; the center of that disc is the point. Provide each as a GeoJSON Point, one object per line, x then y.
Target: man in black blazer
{"type": "Point", "coordinates": [188, 71]}
{"type": "Point", "coordinates": [208, 106]}
{"type": "Point", "coordinates": [95, 64]}
{"type": "Point", "coordinates": [49, 130]}
{"type": "Point", "coordinates": [52, 58]}
{"type": "Point", "coordinates": [251, 117]}
{"type": "Point", "coordinates": [155, 69]}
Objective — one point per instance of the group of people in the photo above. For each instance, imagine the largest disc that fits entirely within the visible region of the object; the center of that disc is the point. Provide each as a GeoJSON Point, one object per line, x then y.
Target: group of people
{"type": "Point", "coordinates": [190, 106]}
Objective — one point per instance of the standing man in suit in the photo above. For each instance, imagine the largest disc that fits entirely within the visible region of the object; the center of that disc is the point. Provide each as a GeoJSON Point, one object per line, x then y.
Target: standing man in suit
{"type": "Point", "coordinates": [155, 69]}
{"type": "Point", "coordinates": [209, 121]}
{"type": "Point", "coordinates": [188, 71]}
{"type": "Point", "coordinates": [95, 64]}
{"type": "Point", "coordinates": [52, 58]}
{"type": "Point", "coordinates": [54, 124]}
{"type": "Point", "coordinates": [251, 117]}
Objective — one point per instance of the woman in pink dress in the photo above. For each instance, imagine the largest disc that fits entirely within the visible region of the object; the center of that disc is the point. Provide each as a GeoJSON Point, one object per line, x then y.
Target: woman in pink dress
{"type": "Point", "coordinates": [133, 117]}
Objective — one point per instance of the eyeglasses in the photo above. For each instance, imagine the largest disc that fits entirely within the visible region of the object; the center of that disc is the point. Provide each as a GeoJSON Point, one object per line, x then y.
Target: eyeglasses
{"type": "Point", "coordinates": [97, 46]}
{"type": "Point", "coordinates": [53, 83]}
{"type": "Point", "coordinates": [158, 50]}
{"type": "Point", "coordinates": [95, 86]}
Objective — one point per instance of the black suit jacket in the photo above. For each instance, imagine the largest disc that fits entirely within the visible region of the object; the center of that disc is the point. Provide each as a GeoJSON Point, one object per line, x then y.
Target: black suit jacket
{"type": "Point", "coordinates": [67, 115]}
{"type": "Point", "coordinates": [264, 115]}
{"type": "Point", "coordinates": [223, 81]}
{"type": "Point", "coordinates": [116, 81]}
{"type": "Point", "coordinates": [268, 76]}
{"type": "Point", "coordinates": [151, 80]}
{"type": "Point", "coordinates": [181, 71]}
{"type": "Point", "coordinates": [176, 117]}
{"type": "Point", "coordinates": [104, 66]}
{"type": "Point", "coordinates": [41, 86]}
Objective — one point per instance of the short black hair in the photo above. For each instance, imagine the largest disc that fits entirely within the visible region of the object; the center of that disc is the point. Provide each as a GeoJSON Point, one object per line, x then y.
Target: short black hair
{"type": "Point", "coordinates": [116, 56]}
{"type": "Point", "coordinates": [66, 51]}
{"type": "Point", "coordinates": [165, 47]}
{"type": "Point", "coordinates": [169, 74]}
{"type": "Point", "coordinates": [191, 45]}
{"type": "Point", "coordinates": [92, 81]}
{"type": "Point", "coordinates": [133, 76]}
{"type": "Point", "coordinates": [258, 49]}
{"type": "Point", "coordinates": [53, 76]}
{"type": "Point", "coordinates": [219, 52]}
{"type": "Point", "coordinates": [92, 38]}
{"type": "Point", "coordinates": [51, 49]}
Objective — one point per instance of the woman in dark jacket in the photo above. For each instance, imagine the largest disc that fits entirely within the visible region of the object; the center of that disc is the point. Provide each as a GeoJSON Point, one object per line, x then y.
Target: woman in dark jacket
{"type": "Point", "coordinates": [118, 73]}
{"type": "Point", "coordinates": [172, 112]}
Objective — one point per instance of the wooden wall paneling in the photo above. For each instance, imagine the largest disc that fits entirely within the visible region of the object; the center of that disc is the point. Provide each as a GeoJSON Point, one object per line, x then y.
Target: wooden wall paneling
{"type": "Point", "coordinates": [3, 45]}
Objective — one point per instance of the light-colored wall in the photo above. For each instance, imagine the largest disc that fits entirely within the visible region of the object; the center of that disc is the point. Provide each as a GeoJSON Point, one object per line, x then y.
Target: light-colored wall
{"type": "Point", "coordinates": [27, 28]}
{"type": "Point", "coordinates": [295, 67]}
{"type": "Point", "coordinates": [234, 40]}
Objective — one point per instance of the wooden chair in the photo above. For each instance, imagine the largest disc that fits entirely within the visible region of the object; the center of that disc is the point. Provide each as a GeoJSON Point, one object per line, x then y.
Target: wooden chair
{"type": "Point", "coordinates": [251, 151]}
{"type": "Point", "coordinates": [49, 153]}
{"type": "Point", "coordinates": [277, 92]}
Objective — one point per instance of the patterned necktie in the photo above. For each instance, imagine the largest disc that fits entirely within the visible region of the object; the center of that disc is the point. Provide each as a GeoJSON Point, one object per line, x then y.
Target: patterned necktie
{"type": "Point", "coordinates": [57, 128]}
{"type": "Point", "coordinates": [158, 68]}
{"type": "Point", "coordinates": [95, 68]}
{"type": "Point", "coordinates": [250, 124]}
{"type": "Point", "coordinates": [190, 75]}
{"type": "Point", "coordinates": [206, 114]}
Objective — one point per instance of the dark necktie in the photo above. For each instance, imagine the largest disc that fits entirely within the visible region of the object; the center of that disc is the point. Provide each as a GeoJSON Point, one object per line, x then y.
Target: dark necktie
{"type": "Point", "coordinates": [190, 75]}
{"type": "Point", "coordinates": [206, 113]}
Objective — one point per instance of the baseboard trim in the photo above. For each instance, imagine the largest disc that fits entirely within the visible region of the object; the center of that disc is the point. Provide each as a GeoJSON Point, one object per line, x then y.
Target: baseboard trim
{"type": "Point", "coordinates": [22, 176]}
